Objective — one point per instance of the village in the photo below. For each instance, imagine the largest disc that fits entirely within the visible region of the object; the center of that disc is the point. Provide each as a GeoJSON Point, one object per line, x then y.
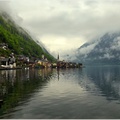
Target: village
{"type": "Point", "coordinates": [22, 61]}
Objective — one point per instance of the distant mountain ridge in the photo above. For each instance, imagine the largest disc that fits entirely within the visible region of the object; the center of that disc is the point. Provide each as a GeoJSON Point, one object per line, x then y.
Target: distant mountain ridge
{"type": "Point", "coordinates": [18, 40]}
{"type": "Point", "coordinates": [105, 50]}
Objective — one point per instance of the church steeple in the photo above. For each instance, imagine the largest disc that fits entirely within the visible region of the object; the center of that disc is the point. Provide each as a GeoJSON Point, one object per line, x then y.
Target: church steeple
{"type": "Point", "coordinates": [58, 57]}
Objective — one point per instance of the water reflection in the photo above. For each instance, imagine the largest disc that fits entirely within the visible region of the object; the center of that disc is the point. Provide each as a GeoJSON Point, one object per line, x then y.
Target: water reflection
{"type": "Point", "coordinates": [16, 85]}
{"type": "Point", "coordinates": [107, 79]}
{"type": "Point", "coordinates": [91, 92]}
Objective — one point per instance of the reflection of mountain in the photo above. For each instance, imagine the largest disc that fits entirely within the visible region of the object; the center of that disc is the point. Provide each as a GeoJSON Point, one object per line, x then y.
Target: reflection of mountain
{"type": "Point", "coordinates": [103, 50]}
{"type": "Point", "coordinates": [18, 85]}
{"type": "Point", "coordinates": [103, 80]}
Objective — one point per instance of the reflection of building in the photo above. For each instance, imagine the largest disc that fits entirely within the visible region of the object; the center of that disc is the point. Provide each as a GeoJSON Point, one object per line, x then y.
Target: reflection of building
{"type": "Point", "coordinates": [17, 84]}
{"type": "Point", "coordinates": [58, 73]}
{"type": "Point", "coordinates": [1, 102]}
{"type": "Point", "coordinates": [27, 71]}
{"type": "Point", "coordinates": [8, 75]}
{"type": "Point", "coordinates": [7, 79]}
{"type": "Point", "coordinates": [44, 72]}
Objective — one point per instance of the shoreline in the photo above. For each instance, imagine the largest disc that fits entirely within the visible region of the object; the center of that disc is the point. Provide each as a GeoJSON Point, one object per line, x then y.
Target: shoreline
{"type": "Point", "coordinates": [10, 68]}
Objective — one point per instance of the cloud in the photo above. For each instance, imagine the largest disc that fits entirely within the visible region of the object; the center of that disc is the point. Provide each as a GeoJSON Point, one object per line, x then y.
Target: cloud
{"type": "Point", "coordinates": [116, 44]}
{"type": "Point", "coordinates": [88, 48]}
{"type": "Point", "coordinates": [108, 56]}
{"type": "Point", "coordinates": [88, 18]}
{"type": "Point", "coordinates": [75, 21]}
{"type": "Point", "coordinates": [58, 44]}
{"type": "Point", "coordinates": [4, 5]}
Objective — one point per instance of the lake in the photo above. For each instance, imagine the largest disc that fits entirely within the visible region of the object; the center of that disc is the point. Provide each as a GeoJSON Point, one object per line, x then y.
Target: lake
{"type": "Point", "coordinates": [90, 92]}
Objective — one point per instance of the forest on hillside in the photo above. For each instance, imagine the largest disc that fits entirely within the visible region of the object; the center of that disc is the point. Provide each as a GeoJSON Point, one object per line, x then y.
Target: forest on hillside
{"type": "Point", "coordinates": [18, 40]}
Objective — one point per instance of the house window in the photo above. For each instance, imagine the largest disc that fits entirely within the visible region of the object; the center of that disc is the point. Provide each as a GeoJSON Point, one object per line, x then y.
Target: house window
{"type": "Point", "coordinates": [3, 63]}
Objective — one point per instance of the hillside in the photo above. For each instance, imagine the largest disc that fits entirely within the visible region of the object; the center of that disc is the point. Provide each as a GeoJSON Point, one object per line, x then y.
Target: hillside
{"type": "Point", "coordinates": [104, 50]}
{"type": "Point", "coordinates": [18, 40]}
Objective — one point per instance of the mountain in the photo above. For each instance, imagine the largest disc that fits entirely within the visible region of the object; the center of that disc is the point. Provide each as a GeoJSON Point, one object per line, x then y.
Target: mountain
{"type": "Point", "coordinates": [18, 40]}
{"type": "Point", "coordinates": [104, 50]}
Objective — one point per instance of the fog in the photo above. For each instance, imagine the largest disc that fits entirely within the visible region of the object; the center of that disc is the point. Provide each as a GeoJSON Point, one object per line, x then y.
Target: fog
{"type": "Point", "coordinates": [64, 25]}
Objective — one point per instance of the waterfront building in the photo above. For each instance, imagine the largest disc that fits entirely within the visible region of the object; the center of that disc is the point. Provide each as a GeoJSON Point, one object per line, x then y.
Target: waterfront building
{"type": "Point", "coordinates": [8, 63]}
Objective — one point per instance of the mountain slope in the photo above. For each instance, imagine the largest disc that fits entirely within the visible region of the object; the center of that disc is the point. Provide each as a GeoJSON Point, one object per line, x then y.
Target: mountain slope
{"type": "Point", "coordinates": [18, 40]}
{"type": "Point", "coordinates": [105, 50]}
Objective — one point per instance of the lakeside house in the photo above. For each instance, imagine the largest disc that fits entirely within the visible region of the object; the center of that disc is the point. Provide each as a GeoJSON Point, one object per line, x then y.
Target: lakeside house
{"type": "Point", "coordinates": [23, 61]}
{"type": "Point", "coordinates": [7, 63]}
{"type": "Point", "coordinates": [3, 46]}
{"type": "Point", "coordinates": [44, 62]}
{"type": "Point", "coordinates": [65, 64]}
{"type": "Point", "coordinates": [23, 58]}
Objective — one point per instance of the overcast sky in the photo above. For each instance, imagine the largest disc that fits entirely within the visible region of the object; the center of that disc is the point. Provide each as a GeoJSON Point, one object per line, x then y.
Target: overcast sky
{"type": "Point", "coordinates": [64, 25]}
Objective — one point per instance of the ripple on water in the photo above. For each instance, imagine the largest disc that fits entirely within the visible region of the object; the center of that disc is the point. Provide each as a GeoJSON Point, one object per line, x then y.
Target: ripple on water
{"type": "Point", "coordinates": [71, 93]}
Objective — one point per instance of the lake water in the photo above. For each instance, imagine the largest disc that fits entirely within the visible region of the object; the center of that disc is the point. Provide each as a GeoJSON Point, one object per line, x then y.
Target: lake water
{"type": "Point", "coordinates": [90, 92]}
